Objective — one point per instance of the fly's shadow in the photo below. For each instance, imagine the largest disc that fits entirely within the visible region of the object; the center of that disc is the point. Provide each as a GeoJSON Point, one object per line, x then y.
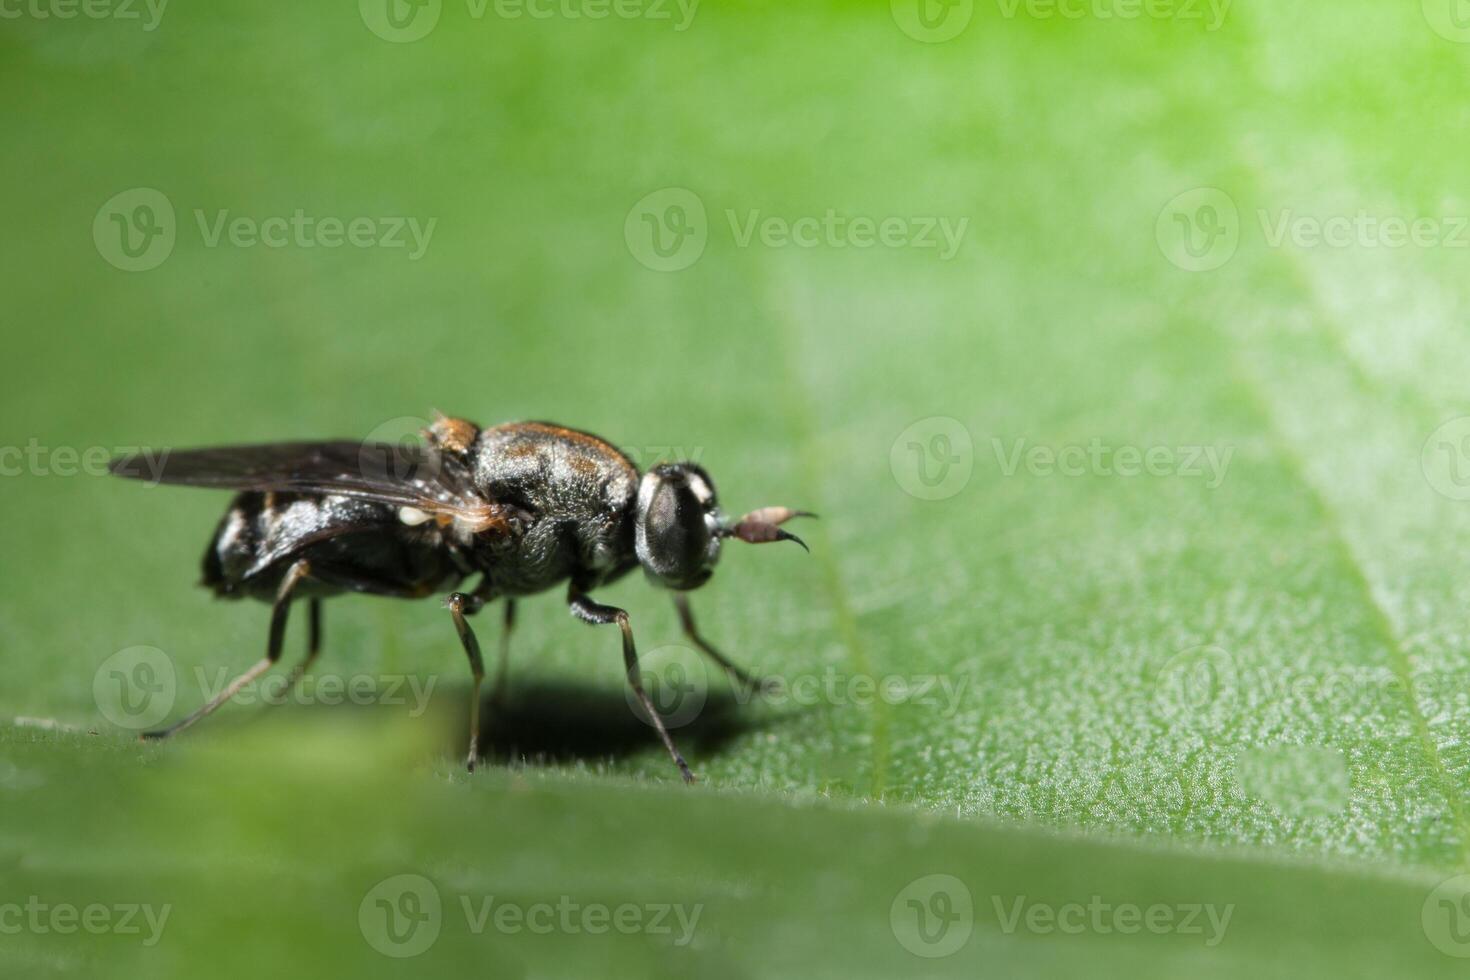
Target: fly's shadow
{"type": "Point", "coordinates": [539, 721]}
{"type": "Point", "coordinates": [557, 721]}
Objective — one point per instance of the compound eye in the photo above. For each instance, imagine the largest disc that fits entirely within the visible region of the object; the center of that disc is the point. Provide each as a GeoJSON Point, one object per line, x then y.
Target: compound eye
{"type": "Point", "coordinates": [675, 540]}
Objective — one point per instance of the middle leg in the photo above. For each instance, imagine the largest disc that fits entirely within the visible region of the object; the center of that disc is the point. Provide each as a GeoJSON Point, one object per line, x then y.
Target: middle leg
{"type": "Point", "coordinates": [313, 644]}
{"type": "Point", "coordinates": [461, 605]}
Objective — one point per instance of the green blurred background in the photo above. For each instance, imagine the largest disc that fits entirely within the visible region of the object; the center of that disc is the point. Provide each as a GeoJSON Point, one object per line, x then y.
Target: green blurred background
{"type": "Point", "coordinates": [1248, 690]}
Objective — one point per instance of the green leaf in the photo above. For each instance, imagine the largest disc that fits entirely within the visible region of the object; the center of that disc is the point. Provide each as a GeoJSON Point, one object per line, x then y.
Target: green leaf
{"type": "Point", "coordinates": [1139, 447]}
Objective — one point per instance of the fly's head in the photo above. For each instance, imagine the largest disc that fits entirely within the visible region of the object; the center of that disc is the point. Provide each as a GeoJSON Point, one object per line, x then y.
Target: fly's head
{"type": "Point", "coordinates": [679, 526]}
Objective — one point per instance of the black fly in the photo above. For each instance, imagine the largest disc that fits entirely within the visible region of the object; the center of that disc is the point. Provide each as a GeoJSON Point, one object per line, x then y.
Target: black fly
{"type": "Point", "coordinates": [525, 505]}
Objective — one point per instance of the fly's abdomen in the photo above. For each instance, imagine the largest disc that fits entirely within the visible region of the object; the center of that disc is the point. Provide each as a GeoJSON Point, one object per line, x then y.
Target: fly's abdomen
{"type": "Point", "coordinates": [349, 544]}
{"type": "Point", "coordinates": [233, 548]}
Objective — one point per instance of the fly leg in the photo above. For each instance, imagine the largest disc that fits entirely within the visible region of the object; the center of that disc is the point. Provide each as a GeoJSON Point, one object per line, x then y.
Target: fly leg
{"type": "Point", "coordinates": [751, 683]}
{"type": "Point", "coordinates": [313, 644]}
{"type": "Point", "coordinates": [279, 610]}
{"type": "Point", "coordinates": [596, 614]}
{"type": "Point", "coordinates": [461, 605]}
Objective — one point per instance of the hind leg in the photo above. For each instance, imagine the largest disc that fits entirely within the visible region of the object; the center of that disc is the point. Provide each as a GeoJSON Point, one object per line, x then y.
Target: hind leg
{"type": "Point", "coordinates": [279, 610]}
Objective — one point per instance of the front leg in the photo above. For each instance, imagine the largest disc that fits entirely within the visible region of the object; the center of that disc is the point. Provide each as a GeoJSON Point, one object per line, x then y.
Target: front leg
{"type": "Point", "coordinates": [596, 614]}
{"type": "Point", "coordinates": [755, 685]}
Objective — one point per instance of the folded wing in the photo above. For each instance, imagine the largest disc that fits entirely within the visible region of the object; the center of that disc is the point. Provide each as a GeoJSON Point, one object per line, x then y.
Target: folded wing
{"type": "Point", "coordinates": [412, 476]}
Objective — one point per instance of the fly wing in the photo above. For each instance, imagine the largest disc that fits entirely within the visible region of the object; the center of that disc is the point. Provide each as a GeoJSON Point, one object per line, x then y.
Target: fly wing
{"type": "Point", "coordinates": [420, 477]}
